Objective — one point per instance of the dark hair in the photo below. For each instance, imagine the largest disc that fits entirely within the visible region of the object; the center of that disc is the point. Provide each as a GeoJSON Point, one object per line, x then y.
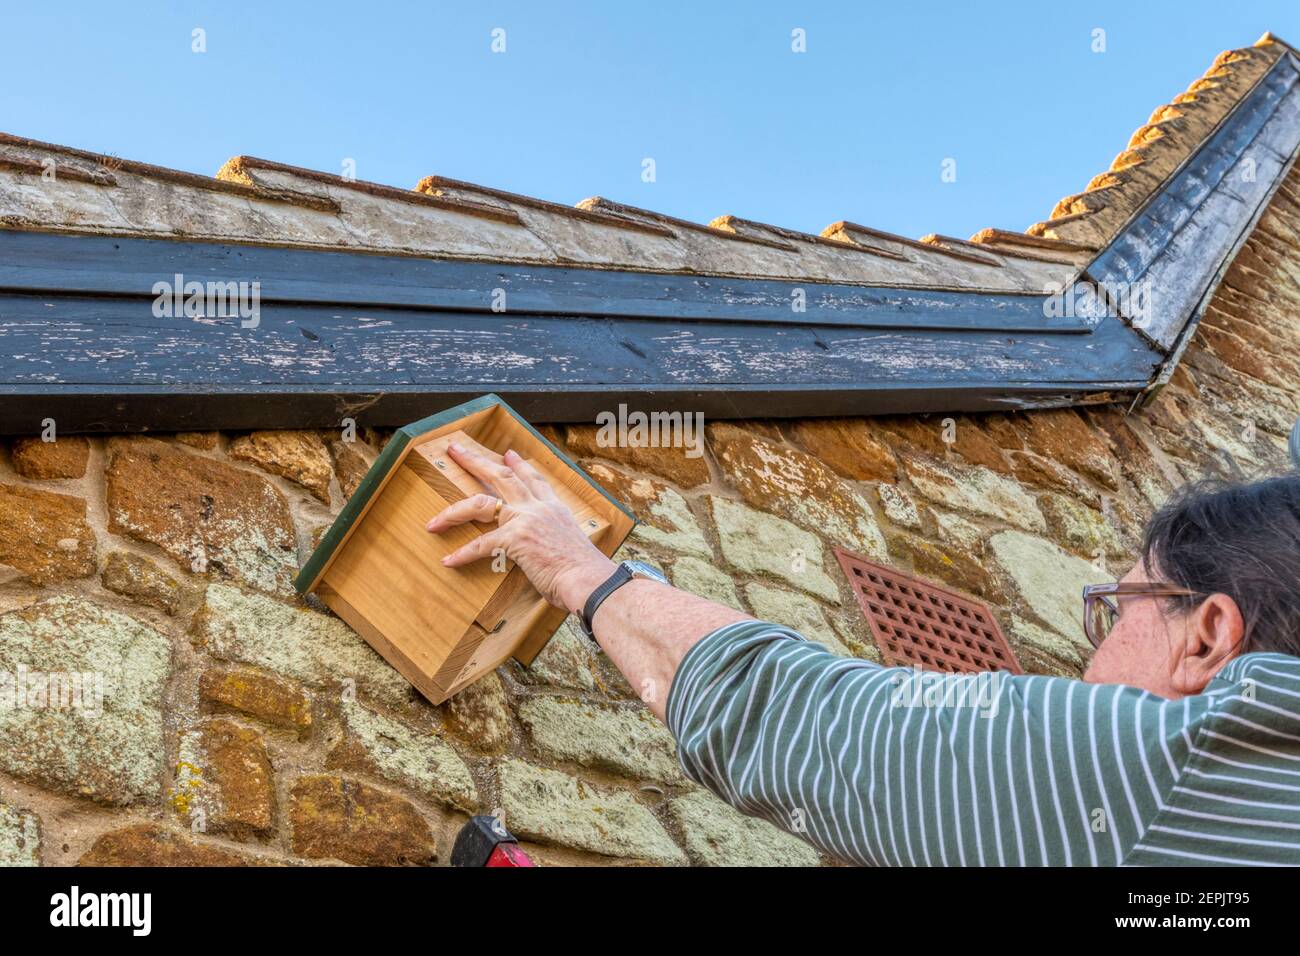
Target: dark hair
{"type": "Point", "coordinates": [1242, 540]}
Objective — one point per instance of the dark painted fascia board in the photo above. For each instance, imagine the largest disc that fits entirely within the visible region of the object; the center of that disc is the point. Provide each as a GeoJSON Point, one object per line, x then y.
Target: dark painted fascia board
{"type": "Point", "coordinates": [53, 263]}
{"type": "Point", "coordinates": [108, 363]}
{"type": "Point", "coordinates": [385, 340]}
{"type": "Point", "coordinates": [1179, 245]}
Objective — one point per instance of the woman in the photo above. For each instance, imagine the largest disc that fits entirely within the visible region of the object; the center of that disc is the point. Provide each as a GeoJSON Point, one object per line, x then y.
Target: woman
{"type": "Point", "coordinates": [1181, 744]}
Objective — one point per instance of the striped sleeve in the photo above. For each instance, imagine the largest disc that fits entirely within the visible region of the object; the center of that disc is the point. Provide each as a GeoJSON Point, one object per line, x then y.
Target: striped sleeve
{"type": "Point", "coordinates": [895, 767]}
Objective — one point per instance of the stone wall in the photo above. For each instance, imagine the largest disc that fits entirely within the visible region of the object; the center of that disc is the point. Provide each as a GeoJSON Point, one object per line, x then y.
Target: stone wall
{"type": "Point", "coordinates": [243, 725]}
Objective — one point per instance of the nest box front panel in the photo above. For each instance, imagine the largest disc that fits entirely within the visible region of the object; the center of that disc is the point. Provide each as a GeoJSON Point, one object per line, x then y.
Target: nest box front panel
{"type": "Point", "coordinates": [380, 571]}
{"type": "Point", "coordinates": [390, 573]}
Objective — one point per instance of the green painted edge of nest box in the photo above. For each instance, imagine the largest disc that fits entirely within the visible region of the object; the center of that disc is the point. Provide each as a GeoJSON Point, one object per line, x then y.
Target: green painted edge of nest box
{"type": "Point", "coordinates": [392, 452]}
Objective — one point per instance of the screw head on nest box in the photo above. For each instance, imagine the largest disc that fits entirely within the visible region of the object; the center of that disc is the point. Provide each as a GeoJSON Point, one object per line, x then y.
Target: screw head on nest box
{"type": "Point", "coordinates": [381, 572]}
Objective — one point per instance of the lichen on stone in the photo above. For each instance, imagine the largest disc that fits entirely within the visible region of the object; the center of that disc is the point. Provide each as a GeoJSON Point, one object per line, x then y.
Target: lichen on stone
{"type": "Point", "coordinates": [307, 645]}
{"type": "Point", "coordinates": [20, 837]}
{"type": "Point", "coordinates": [626, 740]}
{"type": "Point", "coordinates": [553, 807]}
{"type": "Point", "coordinates": [417, 760]}
{"type": "Point", "coordinates": [977, 490]}
{"type": "Point", "coordinates": [796, 611]}
{"type": "Point", "coordinates": [755, 541]}
{"type": "Point", "coordinates": [717, 835]}
{"type": "Point", "coordinates": [111, 753]}
{"type": "Point", "coordinates": [1049, 580]}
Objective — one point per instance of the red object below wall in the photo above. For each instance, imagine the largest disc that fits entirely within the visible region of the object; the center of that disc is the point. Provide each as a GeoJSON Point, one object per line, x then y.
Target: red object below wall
{"type": "Point", "coordinates": [485, 841]}
{"type": "Point", "coordinates": [509, 854]}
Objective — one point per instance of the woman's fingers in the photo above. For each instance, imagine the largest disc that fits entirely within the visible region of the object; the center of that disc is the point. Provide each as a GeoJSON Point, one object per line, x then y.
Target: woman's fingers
{"type": "Point", "coordinates": [473, 508]}
{"type": "Point", "coordinates": [481, 547]}
{"type": "Point", "coordinates": [533, 478]}
{"type": "Point", "coordinates": [497, 475]}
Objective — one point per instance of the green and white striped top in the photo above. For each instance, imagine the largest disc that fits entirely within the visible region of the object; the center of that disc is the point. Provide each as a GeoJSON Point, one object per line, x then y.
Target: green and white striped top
{"type": "Point", "coordinates": [894, 767]}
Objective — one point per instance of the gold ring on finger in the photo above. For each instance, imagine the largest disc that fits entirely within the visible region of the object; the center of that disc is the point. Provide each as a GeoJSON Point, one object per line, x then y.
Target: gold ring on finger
{"type": "Point", "coordinates": [496, 512]}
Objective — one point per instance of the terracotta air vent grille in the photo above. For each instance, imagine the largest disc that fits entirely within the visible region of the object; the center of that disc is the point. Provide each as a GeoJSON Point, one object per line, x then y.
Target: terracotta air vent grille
{"type": "Point", "coordinates": [918, 623]}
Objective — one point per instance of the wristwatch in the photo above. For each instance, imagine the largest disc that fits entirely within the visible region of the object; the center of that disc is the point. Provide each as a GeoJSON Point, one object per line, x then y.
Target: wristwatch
{"type": "Point", "coordinates": [626, 571]}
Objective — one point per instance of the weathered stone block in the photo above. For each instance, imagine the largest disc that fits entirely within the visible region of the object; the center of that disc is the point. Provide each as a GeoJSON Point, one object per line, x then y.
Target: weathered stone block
{"type": "Point", "coordinates": [957, 531]}
{"type": "Point", "coordinates": [780, 479]}
{"type": "Point", "coordinates": [1241, 355]}
{"type": "Point", "coordinates": [44, 536]}
{"type": "Point", "coordinates": [203, 441]}
{"type": "Point", "coordinates": [1135, 459]}
{"type": "Point", "coordinates": [147, 844]}
{"type": "Point", "coordinates": [1049, 580]}
{"type": "Point", "coordinates": [345, 820]}
{"type": "Point", "coordinates": [898, 506]}
{"type": "Point", "coordinates": [306, 645]}
{"type": "Point", "coordinates": [300, 456]}
{"type": "Point", "coordinates": [39, 459]}
{"type": "Point", "coordinates": [949, 566]}
{"type": "Point", "coordinates": [847, 445]}
{"type": "Point", "coordinates": [758, 542]}
{"type": "Point", "coordinates": [1003, 428]}
{"type": "Point", "coordinates": [415, 759]}
{"type": "Point", "coordinates": [1036, 471]}
{"type": "Point", "coordinates": [351, 462]}
{"type": "Point", "coordinates": [855, 634]}
{"type": "Point", "coordinates": [671, 463]}
{"type": "Point", "coordinates": [89, 721]}
{"type": "Point", "coordinates": [480, 714]}
{"type": "Point", "coordinates": [553, 807]}
{"type": "Point", "coordinates": [705, 580]}
{"type": "Point", "coordinates": [795, 611]}
{"type": "Point", "coordinates": [1049, 642]}
{"type": "Point", "coordinates": [141, 580]}
{"type": "Point", "coordinates": [666, 517]}
{"type": "Point", "coordinates": [565, 661]}
{"type": "Point", "coordinates": [1080, 529]}
{"type": "Point", "coordinates": [717, 835]}
{"type": "Point", "coordinates": [205, 514]}
{"type": "Point", "coordinates": [1060, 435]}
{"type": "Point", "coordinates": [976, 490]}
{"type": "Point", "coordinates": [624, 740]}
{"type": "Point", "coordinates": [942, 435]}
{"type": "Point", "coordinates": [224, 782]}
{"type": "Point", "coordinates": [20, 837]}
{"type": "Point", "coordinates": [273, 700]}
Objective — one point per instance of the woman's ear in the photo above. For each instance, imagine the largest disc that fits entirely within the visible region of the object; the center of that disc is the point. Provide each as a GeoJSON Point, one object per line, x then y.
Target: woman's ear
{"type": "Point", "coordinates": [1212, 638]}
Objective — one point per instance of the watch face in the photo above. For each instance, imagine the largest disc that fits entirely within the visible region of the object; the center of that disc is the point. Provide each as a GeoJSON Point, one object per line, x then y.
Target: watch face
{"type": "Point", "coordinates": [640, 569]}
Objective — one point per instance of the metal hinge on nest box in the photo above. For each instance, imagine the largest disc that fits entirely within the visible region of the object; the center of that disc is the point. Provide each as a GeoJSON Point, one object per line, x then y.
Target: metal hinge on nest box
{"type": "Point", "coordinates": [917, 623]}
{"type": "Point", "coordinates": [380, 571]}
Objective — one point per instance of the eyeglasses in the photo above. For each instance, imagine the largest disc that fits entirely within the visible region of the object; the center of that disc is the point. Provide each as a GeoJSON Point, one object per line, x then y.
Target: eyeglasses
{"type": "Point", "coordinates": [1101, 607]}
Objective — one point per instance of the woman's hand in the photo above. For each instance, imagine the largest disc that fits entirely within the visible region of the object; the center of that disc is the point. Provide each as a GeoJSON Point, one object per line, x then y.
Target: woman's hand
{"type": "Point", "coordinates": [537, 531]}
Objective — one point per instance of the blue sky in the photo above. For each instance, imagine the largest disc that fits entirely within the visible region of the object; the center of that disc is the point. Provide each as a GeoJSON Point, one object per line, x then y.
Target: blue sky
{"type": "Point", "coordinates": [857, 127]}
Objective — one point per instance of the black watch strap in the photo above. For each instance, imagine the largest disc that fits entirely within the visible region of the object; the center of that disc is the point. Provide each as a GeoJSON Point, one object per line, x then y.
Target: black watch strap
{"type": "Point", "coordinates": [622, 574]}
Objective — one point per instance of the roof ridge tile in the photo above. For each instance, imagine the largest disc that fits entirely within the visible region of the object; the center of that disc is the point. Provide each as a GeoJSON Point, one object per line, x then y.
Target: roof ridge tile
{"type": "Point", "coordinates": [240, 169]}
{"type": "Point", "coordinates": [437, 185]}
{"type": "Point", "coordinates": [1159, 146]}
{"type": "Point", "coordinates": [1079, 223]}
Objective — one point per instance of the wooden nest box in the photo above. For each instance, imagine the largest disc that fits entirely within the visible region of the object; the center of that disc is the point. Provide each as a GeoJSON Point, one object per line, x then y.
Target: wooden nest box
{"type": "Point", "coordinates": [381, 572]}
